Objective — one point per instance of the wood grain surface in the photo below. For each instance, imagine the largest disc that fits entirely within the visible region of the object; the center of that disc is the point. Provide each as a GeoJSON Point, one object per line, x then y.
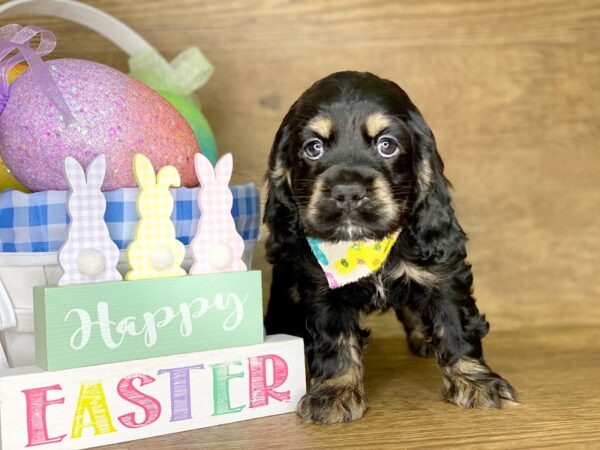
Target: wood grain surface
{"type": "Point", "coordinates": [511, 89]}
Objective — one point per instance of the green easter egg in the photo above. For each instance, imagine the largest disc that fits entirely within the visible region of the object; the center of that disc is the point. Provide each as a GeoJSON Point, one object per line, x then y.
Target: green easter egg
{"type": "Point", "coordinates": [197, 122]}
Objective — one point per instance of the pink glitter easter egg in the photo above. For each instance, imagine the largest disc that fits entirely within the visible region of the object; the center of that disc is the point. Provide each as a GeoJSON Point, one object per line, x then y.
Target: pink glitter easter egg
{"type": "Point", "coordinates": [113, 114]}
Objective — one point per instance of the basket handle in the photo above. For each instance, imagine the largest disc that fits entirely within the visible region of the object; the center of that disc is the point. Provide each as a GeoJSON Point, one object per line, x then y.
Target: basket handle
{"type": "Point", "coordinates": [183, 75]}
{"type": "Point", "coordinates": [104, 24]}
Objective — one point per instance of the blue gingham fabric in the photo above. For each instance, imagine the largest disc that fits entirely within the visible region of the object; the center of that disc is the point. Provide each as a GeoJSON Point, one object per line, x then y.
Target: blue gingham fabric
{"type": "Point", "coordinates": [38, 222]}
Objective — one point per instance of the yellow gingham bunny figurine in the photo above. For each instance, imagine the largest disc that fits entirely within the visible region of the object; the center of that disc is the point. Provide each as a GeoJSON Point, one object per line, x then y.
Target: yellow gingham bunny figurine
{"type": "Point", "coordinates": [154, 251]}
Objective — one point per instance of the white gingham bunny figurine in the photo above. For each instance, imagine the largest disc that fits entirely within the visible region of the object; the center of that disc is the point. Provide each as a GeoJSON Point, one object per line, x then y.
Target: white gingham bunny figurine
{"type": "Point", "coordinates": [88, 254]}
{"type": "Point", "coordinates": [217, 246]}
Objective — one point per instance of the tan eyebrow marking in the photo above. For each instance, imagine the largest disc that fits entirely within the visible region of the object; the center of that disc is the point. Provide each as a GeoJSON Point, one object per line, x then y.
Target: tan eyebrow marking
{"type": "Point", "coordinates": [321, 125]}
{"type": "Point", "coordinates": [376, 122]}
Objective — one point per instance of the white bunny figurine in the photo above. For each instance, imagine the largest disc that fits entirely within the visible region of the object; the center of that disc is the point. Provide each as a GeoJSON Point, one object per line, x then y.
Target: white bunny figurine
{"type": "Point", "coordinates": [217, 246]}
{"type": "Point", "coordinates": [88, 254]}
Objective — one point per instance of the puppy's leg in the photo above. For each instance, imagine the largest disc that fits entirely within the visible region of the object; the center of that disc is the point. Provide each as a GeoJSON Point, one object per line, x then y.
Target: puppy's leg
{"type": "Point", "coordinates": [334, 347]}
{"type": "Point", "coordinates": [418, 334]}
{"type": "Point", "coordinates": [456, 338]}
{"type": "Point", "coordinates": [286, 312]}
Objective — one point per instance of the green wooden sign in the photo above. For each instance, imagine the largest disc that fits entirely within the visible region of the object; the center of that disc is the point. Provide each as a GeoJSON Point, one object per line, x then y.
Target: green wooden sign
{"type": "Point", "coordinates": [88, 324]}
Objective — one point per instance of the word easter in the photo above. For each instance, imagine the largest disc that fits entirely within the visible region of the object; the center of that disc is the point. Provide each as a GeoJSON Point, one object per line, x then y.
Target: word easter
{"type": "Point", "coordinates": [88, 407]}
{"type": "Point", "coordinates": [87, 324]}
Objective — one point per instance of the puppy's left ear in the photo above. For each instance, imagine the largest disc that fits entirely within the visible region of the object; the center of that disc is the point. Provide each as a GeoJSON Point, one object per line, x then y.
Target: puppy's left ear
{"type": "Point", "coordinates": [281, 213]}
{"type": "Point", "coordinates": [436, 235]}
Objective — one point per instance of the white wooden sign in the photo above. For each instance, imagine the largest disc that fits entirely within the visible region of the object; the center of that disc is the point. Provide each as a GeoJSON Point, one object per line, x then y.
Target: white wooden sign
{"type": "Point", "coordinates": [106, 404]}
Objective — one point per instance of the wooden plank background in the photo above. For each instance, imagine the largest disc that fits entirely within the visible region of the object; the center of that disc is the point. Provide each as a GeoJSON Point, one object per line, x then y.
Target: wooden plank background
{"type": "Point", "coordinates": [511, 89]}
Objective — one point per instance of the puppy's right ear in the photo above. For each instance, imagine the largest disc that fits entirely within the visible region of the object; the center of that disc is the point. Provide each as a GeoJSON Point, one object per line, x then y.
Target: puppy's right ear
{"type": "Point", "coordinates": [281, 213]}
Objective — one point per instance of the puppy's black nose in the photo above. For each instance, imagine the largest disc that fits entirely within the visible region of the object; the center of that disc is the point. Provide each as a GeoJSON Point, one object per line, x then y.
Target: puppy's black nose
{"type": "Point", "coordinates": [348, 196]}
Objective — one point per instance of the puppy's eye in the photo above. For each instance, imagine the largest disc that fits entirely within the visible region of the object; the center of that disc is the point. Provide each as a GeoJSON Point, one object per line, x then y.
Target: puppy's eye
{"type": "Point", "coordinates": [313, 149]}
{"type": "Point", "coordinates": [387, 146]}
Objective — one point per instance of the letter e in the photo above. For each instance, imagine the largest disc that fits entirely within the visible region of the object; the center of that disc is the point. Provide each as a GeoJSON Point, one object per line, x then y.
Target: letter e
{"type": "Point", "coordinates": [36, 401]}
{"type": "Point", "coordinates": [221, 377]}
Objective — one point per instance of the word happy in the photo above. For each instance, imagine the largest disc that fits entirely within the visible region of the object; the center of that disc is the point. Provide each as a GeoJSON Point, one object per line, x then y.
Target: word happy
{"type": "Point", "coordinates": [148, 323]}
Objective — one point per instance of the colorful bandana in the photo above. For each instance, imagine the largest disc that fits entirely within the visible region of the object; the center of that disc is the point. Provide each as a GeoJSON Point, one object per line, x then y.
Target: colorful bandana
{"type": "Point", "coordinates": [347, 261]}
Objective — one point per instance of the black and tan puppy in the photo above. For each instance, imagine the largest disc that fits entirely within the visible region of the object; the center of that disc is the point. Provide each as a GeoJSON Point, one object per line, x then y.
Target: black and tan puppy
{"type": "Point", "coordinates": [355, 160]}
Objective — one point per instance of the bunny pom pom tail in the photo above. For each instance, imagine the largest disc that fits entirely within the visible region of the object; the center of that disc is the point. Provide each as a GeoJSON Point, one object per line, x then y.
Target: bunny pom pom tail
{"type": "Point", "coordinates": [90, 262]}
{"type": "Point", "coordinates": [220, 256]}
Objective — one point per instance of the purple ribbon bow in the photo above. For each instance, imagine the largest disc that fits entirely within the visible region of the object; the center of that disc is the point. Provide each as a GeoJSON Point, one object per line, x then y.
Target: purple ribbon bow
{"type": "Point", "coordinates": [16, 38]}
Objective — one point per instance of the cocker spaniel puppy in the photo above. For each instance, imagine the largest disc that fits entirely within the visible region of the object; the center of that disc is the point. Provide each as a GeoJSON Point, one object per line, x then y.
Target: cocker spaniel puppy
{"type": "Point", "coordinates": [356, 185]}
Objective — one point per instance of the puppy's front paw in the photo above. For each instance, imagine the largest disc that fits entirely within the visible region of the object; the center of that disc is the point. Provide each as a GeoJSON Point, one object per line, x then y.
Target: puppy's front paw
{"type": "Point", "coordinates": [471, 384]}
{"type": "Point", "coordinates": [326, 405]}
{"type": "Point", "coordinates": [419, 344]}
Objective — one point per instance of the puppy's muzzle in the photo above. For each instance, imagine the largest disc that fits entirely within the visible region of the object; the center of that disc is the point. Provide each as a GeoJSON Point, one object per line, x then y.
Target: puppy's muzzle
{"type": "Point", "coordinates": [349, 196]}
{"type": "Point", "coordinates": [348, 187]}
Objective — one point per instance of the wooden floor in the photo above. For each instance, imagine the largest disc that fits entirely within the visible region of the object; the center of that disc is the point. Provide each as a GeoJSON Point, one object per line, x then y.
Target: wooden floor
{"type": "Point", "coordinates": [556, 370]}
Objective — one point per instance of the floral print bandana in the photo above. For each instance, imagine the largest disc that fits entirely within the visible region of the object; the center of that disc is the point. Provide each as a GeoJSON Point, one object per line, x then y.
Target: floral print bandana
{"type": "Point", "coordinates": [347, 261]}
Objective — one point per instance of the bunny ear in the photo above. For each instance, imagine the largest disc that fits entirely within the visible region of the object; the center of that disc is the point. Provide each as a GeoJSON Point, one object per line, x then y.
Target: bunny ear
{"type": "Point", "coordinates": [143, 171]}
{"type": "Point", "coordinates": [168, 176]}
{"type": "Point", "coordinates": [224, 168]}
{"type": "Point", "coordinates": [204, 169]}
{"type": "Point", "coordinates": [95, 171]}
{"type": "Point", "coordinates": [74, 174]}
